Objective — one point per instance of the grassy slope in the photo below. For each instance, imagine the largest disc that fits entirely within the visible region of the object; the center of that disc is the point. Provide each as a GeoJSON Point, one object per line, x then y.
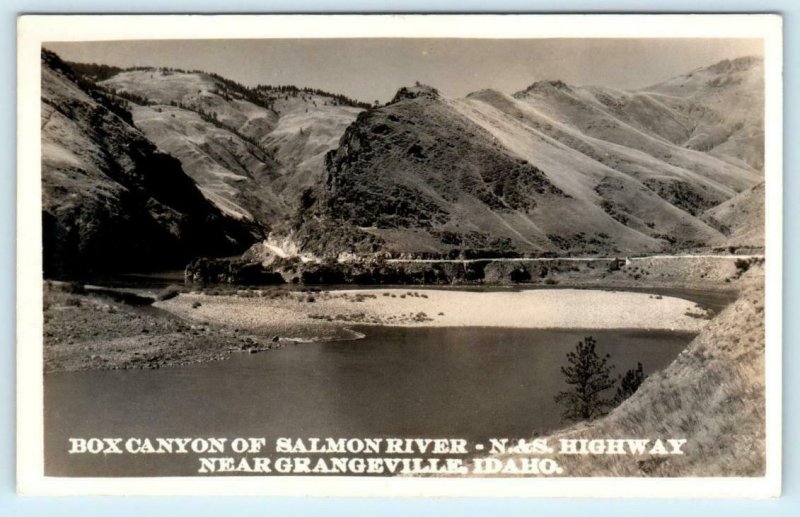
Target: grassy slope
{"type": "Point", "coordinates": [308, 126]}
{"type": "Point", "coordinates": [255, 161]}
{"type": "Point", "coordinates": [579, 109]}
{"type": "Point", "coordinates": [223, 164]}
{"type": "Point", "coordinates": [712, 395]}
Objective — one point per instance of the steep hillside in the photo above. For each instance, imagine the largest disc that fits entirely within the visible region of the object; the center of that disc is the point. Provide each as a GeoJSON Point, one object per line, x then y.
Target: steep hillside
{"type": "Point", "coordinates": [635, 171]}
{"type": "Point", "coordinates": [626, 178]}
{"type": "Point", "coordinates": [230, 170]}
{"type": "Point", "coordinates": [110, 200]}
{"type": "Point", "coordinates": [308, 126]}
{"type": "Point", "coordinates": [251, 151]}
{"type": "Point", "coordinates": [493, 174]}
{"type": "Point", "coordinates": [741, 218]}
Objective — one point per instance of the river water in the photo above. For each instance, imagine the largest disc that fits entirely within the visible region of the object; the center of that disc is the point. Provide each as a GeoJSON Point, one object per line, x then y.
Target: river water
{"type": "Point", "coordinates": [472, 383]}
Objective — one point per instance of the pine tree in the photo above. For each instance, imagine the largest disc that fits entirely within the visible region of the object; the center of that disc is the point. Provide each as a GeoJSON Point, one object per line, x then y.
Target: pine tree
{"type": "Point", "coordinates": [589, 375]}
{"type": "Point", "coordinates": [629, 383]}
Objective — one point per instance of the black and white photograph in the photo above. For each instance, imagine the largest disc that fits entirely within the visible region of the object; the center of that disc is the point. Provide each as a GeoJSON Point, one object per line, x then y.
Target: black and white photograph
{"type": "Point", "coordinates": [431, 258]}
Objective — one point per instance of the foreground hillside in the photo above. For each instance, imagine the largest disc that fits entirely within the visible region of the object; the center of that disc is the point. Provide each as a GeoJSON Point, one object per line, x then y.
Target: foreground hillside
{"type": "Point", "coordinates": [110, 199]}
{"type": "Point", "coordinates": [712, 395]}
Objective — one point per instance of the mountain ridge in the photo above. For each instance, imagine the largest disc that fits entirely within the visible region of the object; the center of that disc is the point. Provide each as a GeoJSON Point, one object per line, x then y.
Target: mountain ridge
{"type": "Point", "coordinates": [638, 191]}
{"type": "Point", "coordinates": [552, 169]}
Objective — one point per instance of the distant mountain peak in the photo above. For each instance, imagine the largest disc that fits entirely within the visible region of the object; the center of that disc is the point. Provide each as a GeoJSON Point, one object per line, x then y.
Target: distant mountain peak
{"type": "Point", "coordinates": [728, 72]}
{"type": "Point", "coordinates": [544, 86]}
{"type": "Point", "coordinates": [737, 64]}
{"type": "Point", "coordinates": [485, 93]}
{"type": "Point", "coordinates": [415, 92]}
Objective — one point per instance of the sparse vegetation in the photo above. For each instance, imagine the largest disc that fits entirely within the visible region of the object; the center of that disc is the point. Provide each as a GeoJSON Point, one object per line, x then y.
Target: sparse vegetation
{"type": "Point", "coordinates": [683, 195]}
{"type": "Point", "coordinates": [742, 265]}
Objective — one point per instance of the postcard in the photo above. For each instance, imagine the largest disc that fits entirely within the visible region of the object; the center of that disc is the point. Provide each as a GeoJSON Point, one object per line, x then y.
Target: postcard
{"type": "Point", "coordinates": [417, 255]}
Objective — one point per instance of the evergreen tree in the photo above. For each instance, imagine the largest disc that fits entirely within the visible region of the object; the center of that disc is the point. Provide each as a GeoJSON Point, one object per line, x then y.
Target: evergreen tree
{"type": "Point", "coordinates": [589, 376]}
{"type": "Point", "coordinates": [629, 383]}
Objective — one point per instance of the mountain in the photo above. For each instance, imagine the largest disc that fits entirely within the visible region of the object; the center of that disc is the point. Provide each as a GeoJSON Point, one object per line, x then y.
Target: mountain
{"type": "Point", "coordinates": [111, 200]}
{"type": "Point", "coordinates": [551, 169]}
{"type": "Point", "coordinates": [252, 151]}
{"type": "Point", "coordinates": [723, 105]}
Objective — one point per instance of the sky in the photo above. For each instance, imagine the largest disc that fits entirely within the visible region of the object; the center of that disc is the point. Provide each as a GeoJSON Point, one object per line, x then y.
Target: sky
{"type": "Point", "coordinates": [373, 69]}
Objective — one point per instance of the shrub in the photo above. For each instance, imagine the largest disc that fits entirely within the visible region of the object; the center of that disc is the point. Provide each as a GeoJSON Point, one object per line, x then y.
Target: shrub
{"type": "Point", "coordinates": [520, 274]}
{"type": "Point", "coordinates": [73, 302]}
{"type": "Point", "coordinates": [742, 265]}
{"type": "Point", "coordinates": [629, 383]}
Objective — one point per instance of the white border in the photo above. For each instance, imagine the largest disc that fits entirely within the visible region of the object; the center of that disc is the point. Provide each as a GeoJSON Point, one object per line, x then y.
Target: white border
{"type": "Point", "coordinates": [33, 30]}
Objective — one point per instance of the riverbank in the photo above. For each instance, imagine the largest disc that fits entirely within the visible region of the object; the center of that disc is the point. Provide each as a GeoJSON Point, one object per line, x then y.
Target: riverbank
{"type": "Point", "coordinates": [91, 331]}
{"type": "Point", "coordinates": [96, 329]}
{"type": "Point", "coordinates": [306, 315]}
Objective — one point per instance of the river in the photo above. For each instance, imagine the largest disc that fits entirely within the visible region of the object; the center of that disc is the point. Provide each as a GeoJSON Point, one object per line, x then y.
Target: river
{"type": "Point", "coordinates": [472, 383]}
